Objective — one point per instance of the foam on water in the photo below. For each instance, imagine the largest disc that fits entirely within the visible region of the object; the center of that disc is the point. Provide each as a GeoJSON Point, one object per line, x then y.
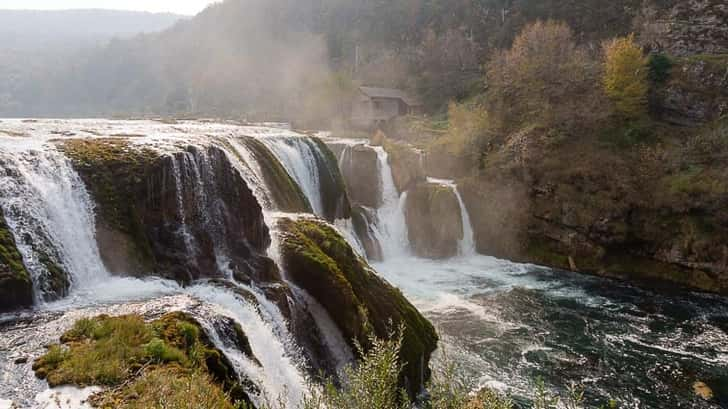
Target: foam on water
{"type": "Point", "coordinates": [65, 397]}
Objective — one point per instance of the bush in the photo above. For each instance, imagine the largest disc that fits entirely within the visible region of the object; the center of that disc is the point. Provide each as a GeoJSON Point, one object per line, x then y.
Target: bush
{"type": "Point", "coordinates": [158, 351]}
{"type": "Point", "coordinates": [625, 76]}
{"type": "Point", "coordinates": [660, 66]}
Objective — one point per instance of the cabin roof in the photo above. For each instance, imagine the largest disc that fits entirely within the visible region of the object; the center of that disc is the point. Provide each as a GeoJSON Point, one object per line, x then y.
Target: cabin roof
{"type": "Point", "coordinates": [389, 93]}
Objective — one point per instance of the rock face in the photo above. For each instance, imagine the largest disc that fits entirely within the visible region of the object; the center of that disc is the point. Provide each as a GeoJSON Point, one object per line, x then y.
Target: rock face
{"type": "Point", "coordinates": [696, 27]}
{"type": "Point", "coordinates": [360, 168]}
{"type": "Point", "coordinates": [319, 260]}
{"type": "Point", "coordinates": [695, 92]}
{"type": "Point", "coordinates": [16, 288]}
{"type": "Point", "coordinates": [497, 215]}
{"type": "Point", "coordinates": [181, 216]}
{"type": "Point", "coordinates": [643, 215]}
{"type": "Point", "coordinates": [406, 164]}
{"type": "Point", "coordinates": [434, 221]}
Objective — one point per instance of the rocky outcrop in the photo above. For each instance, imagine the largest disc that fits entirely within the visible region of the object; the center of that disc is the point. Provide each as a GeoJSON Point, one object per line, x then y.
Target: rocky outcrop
{"type": "Point", "coordinates": [333, 190]}
{"type": "Point", "coordinates": [360, 168]}
{"type": "Point", "coordinates": [286, 193]}
{"type": "Point", "coordinates": [695, 92]}
{"type": "Point", "coordinates": [434, 222]}
{"type": "Point", "coordinates": [16, 287]}
{"type": "Point", "coordinates": [319, 260]}
{"type": "Point", "coordinates": [184, 215]}
{"type": "Point", "coordinates": [498, 215]}
{"type": "Point", "coordinates": [645, 215]}
{"type": "Point", "coordinates": [406, 163]}
{"type": "Point", "coordinates": [696, 27]}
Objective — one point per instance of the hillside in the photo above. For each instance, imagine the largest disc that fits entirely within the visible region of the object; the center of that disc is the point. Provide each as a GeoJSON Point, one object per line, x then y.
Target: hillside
{"type": "Point", "coordinates": [295, 59]}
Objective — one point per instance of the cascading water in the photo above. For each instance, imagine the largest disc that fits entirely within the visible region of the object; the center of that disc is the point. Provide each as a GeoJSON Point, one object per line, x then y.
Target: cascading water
{"type": "Point", "coordinates": [391, 228]}
{"type": "Point", "coordinates": [299, 157]}
{"type": "Point", "coordinates": [51, 215]}
{"type": "Point", "coordinates": [278, 375]}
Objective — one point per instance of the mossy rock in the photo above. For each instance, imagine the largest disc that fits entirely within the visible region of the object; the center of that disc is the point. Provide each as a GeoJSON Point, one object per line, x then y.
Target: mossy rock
{"type": "Point", "coordinates": [16, 287]}
{"type": "Point", "coordinates": [114, 171]}
{"type": "Point", "coordinates": [122, 352]}
{"type": "Point", "coordinates": [319, 260]}
{"type": "Point", "coordinates": [287, 195]}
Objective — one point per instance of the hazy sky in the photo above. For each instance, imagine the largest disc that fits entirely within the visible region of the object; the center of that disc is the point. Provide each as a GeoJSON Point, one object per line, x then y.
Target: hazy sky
{"type": "Point", "coordinates": [175, 6]}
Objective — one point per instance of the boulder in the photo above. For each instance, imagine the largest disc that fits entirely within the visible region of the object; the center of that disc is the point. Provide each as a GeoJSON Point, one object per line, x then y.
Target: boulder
{"type": "Point", "coordinates": [361, 304]}
{"type": "Point", "coordinates": [16, 287]}
{"type": "Point", "coordinates": [406, 163]}
{"type": "Point", "coordinates": [360, 168]}
{"type": "Point", "coordinates": [434, 220]}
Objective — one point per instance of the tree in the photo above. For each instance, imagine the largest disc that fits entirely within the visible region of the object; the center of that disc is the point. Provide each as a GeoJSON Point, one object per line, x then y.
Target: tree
{"type": "Point", "coordinates": [544, 78]}
{"type": "Point", "coordinates": [625, 76]}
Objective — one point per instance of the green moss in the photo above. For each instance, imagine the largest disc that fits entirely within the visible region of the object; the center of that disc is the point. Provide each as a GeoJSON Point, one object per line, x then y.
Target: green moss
{"type": "Point", "coordinates": [16, 287]}
{"type": "Point", "coordinates": [113, 170]}
{"type": "Point", "coordinates": [124, 352]}
{"type": "Point", "coordinates": [287, 195]}
{"type": "Point", "coordinates": [361, 303]}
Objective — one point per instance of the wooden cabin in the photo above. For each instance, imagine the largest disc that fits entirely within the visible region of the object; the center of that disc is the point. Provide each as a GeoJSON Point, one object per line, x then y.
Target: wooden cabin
{"type": "Point", "coordinates": [373, 106]}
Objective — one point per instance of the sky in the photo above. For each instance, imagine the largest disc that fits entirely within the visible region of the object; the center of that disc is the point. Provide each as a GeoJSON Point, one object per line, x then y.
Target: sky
{"type": "Point", "coordinates": [188, 7]}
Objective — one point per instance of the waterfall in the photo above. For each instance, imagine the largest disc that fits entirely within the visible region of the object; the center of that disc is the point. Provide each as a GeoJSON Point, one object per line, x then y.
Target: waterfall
{"type": "Point", "coordinates": [391, 227]}
{"type": "Point", "coordinates": [299, 157]}
{"type": "Point", "coordinates": [466, 245]}
{"type": "Point", "coordinates": [278, 375]}
{"type": "Point", "coordinates": [245, 162]}
{"type": "Point", "coordinates": [51, 216]}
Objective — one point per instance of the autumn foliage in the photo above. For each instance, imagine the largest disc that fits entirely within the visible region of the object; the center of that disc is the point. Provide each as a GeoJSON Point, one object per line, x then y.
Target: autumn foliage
{"type": "Point", "coordinates": [625, 76]}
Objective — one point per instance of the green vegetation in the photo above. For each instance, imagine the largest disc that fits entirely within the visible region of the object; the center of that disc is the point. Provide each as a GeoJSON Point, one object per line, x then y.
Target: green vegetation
{"type": "Point", "coordinates": [142, 363]}
{"type": "Point", "coordinates": [16, 288]}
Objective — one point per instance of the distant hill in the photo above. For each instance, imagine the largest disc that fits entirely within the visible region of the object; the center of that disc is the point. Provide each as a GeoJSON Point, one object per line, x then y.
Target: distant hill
{"type": "Point", "coordinates": [41, 28]}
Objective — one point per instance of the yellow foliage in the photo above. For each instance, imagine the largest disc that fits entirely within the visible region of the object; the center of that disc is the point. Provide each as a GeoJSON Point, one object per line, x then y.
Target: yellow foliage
{"type": "Point", "coordinates": [625, 76]}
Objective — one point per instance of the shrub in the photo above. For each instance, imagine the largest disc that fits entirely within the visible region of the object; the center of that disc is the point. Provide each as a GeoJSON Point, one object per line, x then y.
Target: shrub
{"type": "Point", "coordinates": [371, 385]}
{"type": "Point", "coordinates": [159, 351]}
{"type": "Point", "coordinates": [625, 76]}
{"type": "Point", "coordinates": [660, 66]}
